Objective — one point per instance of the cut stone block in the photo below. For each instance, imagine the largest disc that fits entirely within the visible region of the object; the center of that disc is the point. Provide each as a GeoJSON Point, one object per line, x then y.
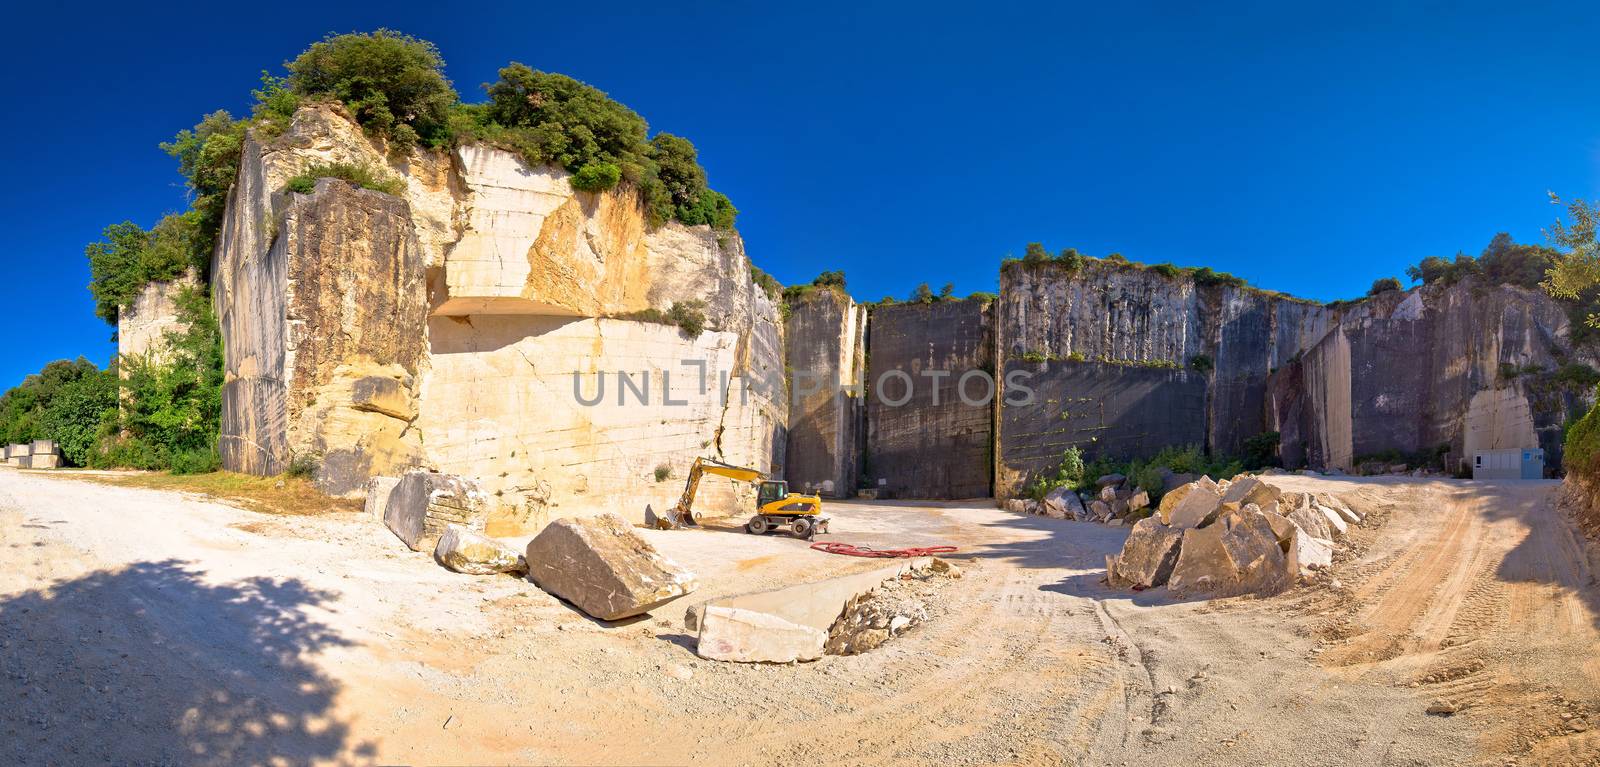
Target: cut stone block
{"type": "Point", "coordinates": [465, 551]}
{"type": "Point", "coordinates": [46, 447]}
{"type": "Point", "coordinates": [424, 503]}
{"type": "Point", "coordinates": [42, 461]}
{"type": "Point", "coordinates": [18, 450]}
{"type": "Point", "coordinates": [378, 490]}
{"type": "Point", "coordinates": [605, 568]}
{"type": "Point", "coordinates": [789, 624]}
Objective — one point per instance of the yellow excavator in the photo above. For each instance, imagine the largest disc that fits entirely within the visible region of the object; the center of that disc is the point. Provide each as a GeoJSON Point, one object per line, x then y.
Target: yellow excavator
{"type": "Point", "coordinates": [776, 507]}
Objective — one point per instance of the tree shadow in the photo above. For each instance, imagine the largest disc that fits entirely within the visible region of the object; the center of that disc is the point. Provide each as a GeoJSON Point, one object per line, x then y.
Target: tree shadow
{"type": "Point", "coordinates": [148, 664]}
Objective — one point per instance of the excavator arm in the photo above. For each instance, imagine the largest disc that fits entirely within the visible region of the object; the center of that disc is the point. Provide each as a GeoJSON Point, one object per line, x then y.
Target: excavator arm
{"type": "Point", "coordinates": [683, 513]}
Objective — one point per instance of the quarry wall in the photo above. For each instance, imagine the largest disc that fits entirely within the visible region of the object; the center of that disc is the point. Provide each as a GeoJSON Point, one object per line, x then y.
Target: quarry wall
{"type": "Point", "coordinates": [825, 367]}
{"type": "Point", "coordinates": [489, 320]}
{"type": "Point", "coordinates": [924, 440]}
{"type": "Point", "coordinates": [1443, 370]}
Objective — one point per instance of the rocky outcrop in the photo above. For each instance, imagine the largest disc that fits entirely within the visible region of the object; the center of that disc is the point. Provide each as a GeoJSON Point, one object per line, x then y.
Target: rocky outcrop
{"type": "Point", "coordinates": [143, 324]}
{"type": "Point", "coordinates": [930, 415]}
{"type": "Point", "coordinates": [468, 323]}
{"type": "Point", "coordinates": [1441, 370]}
{"type": "Point", "coordinates": [604, 568]}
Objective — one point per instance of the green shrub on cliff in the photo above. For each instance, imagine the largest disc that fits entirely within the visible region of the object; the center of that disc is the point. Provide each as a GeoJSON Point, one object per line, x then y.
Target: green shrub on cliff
{"type": "Point", "coordinates": [392, 83]}
{"type": "Point", "coordinates": [128, 257]}
{"type": "Point", "coordinates": [363, 176]}
{"type": "Point", "coordinates": [172, 405]}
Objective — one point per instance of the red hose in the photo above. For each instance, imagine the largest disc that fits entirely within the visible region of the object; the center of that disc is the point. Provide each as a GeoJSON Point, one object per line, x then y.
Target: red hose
{"type": "Point", "coordinates": [862, 551]}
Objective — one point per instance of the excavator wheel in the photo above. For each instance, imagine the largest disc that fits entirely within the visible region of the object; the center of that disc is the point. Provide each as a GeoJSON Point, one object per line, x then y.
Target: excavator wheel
{"type": "Point", "coordinates": [756, 526]}
{"type": "Point", "coordinates": [802, 528]}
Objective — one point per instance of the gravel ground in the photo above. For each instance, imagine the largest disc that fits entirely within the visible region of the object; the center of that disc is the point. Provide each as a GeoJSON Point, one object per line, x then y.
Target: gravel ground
{"type": "Point", "coordinates": [146, 627]}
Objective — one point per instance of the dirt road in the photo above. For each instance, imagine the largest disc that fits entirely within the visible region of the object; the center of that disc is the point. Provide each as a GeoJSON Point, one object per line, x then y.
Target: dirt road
{"type": "Point", "coordinates": [148, 627]}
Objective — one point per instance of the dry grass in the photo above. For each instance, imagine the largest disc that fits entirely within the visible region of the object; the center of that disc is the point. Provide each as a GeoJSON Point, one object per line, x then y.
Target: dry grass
{"type": "Point", "coordinates": [268, 495]}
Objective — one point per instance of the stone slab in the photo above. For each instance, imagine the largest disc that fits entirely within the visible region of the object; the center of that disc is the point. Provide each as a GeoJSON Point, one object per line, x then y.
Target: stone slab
{"type": "Point", "coordinates": [788, 624]}
{"type": "Point", "coordinates": [605, 568]}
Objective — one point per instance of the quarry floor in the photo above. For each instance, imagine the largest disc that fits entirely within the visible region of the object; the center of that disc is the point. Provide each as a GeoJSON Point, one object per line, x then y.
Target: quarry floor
{"type": "Point", "coordinates": [141, 626]}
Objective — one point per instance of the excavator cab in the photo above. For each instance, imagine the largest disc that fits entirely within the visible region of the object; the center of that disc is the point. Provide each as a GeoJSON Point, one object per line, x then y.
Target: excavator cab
{"type": "Point", "coordinates": [771, 490]}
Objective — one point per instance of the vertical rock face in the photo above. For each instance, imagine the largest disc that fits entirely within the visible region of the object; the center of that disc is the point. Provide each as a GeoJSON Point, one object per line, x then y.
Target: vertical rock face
{"type": "Point", "coordinates": [1442, 369]}
{"type": "Point", "coordinates": [446, 326]}
{"type": "Point", "coordinates": [933, 444]}
{"type": "Point", "coordinates": [824, 350]}
{"type": "Point", "coordinates": [1118, 314]}
{"type": "Point", "coordinates": [143, 324]}
{"type": "Point", "coordinates": [1121, 411]}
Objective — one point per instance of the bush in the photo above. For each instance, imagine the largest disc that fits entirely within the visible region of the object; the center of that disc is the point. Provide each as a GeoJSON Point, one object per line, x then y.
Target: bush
{"type": "Point", "coordinates": [1261, 450]}
{"type": "Point", "coordinates": [172, 403]}
{"type": "Point", "coordinates": [363, 176]}
{"type": "Point", "coordinates": [1578, 376]}
{"type": "Point", "coordinates": [128, 258]}
{"type": "Point", "coordinates": [596, 176]}
{"type": "Point", "coordinates": [1168, 271]}
{"type": "Point", "coordinates": [922, 294]}
{"type": "Point", "coordinates": [1035, 254]}
{"type": "Point", "coordinates": [663, 472]}
{"type": "Point", "coordinates": [1068, 473]}
{"type": "Point", "coordinates": [766, 282]}
{"type": "Point", "coordinates": [393, 83]}
{"type": "Point", "coordinates": [983, 297]}
{"type": "Point", "coordinates": [1581, 449]}
{"type": "Point", "coordinates": [303, 466]}
{"type": "Point", "coordinates": [195, 461]}
{"type": "Point", "coordinates": [1384, 285]}
{"type": "Point", "coordinates": [1205, 275]}
{"type": "Point", "coordinates": [689, 316]}
{"type": "Point", "coordinates": [1070, 258]}
{"type": "Point", "coordinates": [360, 175]}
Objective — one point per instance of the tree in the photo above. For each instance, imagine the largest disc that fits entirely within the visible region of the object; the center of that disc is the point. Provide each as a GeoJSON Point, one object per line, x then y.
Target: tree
{"type": "Point", "coordinates": [1384, 285]}
{"type": "Point", "coordinates": [922, 295]}
{"type": "Point", "coordinates": [393, 83]}
{"type": "Point", "coordinates": [71, 402]}
{"type": "Point", "coordinates": [947, 292]}
{"type": "Point", "coordinates": [833, 279]}
{"type": "Point", "coordinates": [1035, 254]}
{"type": "Point", "coordinates": [1430, 270]}
{"type": "Point", "coordinates": [115, 276]}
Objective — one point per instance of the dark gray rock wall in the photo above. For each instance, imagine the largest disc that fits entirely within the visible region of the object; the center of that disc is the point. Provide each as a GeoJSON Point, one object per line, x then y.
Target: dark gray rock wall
{"type": "Point", "coordinates": [1436, 372]}
{"type": "Point", "coordinates": [1116, 411]}
{"type": "Point", "coordinates": [824, 337]}
{"type": "Point", "coordinates": [934, 445]}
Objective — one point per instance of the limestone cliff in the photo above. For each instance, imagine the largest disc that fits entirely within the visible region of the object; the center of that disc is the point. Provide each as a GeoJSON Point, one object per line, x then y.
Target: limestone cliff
{"type": "Point", "coordinates": [446, 327]}
{"type": "Point", "coordinates": [143, 324]}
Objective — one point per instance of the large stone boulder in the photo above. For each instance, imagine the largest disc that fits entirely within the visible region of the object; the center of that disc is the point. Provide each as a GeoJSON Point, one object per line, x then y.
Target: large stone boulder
{"type": "Point", "coordinates": [1193, 505]}
{"type": "Point", "coordinates": [1312, 522]}
{"type": "Point", "coordinates": [1306, 552]}
{"type": "Point", "coordinates": [473, 553]}
{"type": "Point", "coordinates": [424, 503]}
{"type": "Point", "coordinates": [1063, 503]}
{"type": "Point", "coordinates": [604, 568]}
{"type": "Point", "coordinates": [1237, 555]}
{"type": "Point", "coordinates": [1148, 555]}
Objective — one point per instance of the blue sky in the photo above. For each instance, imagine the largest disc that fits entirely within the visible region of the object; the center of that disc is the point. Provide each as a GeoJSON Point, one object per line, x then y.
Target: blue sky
{"type": "Point", "coordinates": [1306, 150]}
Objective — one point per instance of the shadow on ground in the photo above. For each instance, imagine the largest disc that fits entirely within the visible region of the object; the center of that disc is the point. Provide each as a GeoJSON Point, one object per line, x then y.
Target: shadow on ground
{"type": "Point", "coordinates": [150, 665]}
